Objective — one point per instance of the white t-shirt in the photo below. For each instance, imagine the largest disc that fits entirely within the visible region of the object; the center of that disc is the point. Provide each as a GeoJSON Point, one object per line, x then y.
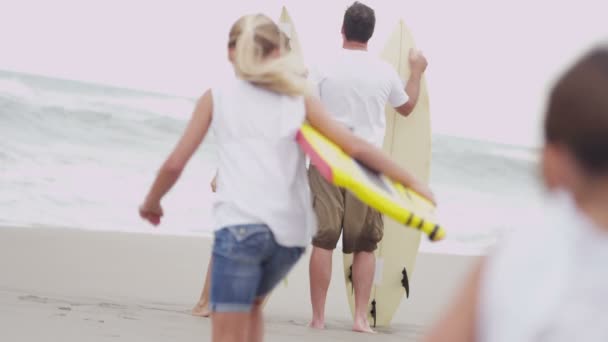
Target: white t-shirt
{"type": "Point", "coordinates": [355, 87]}
{"type": "Point", "coordinates": [262, 174]}
{"type": "Point", "coordinates": [548, 281]}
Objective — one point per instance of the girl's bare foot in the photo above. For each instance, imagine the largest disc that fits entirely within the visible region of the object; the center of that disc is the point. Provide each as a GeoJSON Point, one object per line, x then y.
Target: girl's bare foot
{"type": "Point", "coordinates": [316, 324]}
{"type": "Point", "coordinates": [201, 310]}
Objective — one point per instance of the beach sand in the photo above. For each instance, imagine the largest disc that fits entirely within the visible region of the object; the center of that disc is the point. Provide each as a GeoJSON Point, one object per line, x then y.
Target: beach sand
{"type": "Point", "coordinates": [31, 317]}
{"type": "Point", "coordinates": [76, 285]}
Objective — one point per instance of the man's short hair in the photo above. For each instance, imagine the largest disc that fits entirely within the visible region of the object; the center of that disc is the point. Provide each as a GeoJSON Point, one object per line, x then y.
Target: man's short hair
{"type": "Point", "coordinates": [359, 23]}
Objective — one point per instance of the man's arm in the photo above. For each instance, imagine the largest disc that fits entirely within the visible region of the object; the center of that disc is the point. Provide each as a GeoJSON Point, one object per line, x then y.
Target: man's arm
{"type": "Point", "coordinates": [315, 76]}
{"type": "Point", "coordinates": [418, 64]}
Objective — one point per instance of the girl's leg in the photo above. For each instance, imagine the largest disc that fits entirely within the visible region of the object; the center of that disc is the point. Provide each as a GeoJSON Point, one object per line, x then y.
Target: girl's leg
{"type": "Point", "coordinates": [274, 270]}
{"type": "Point", "coordinates": [256, 321]}
{"type": "Point", "coordinates": [230, 326]}
{"type": "Point", "coordinates": [238, 254]}
{"type": "Point", "coordinates": [201, 308]}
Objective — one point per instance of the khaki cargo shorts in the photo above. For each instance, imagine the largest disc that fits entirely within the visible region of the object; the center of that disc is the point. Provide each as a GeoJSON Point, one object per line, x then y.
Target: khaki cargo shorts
{"type": "Point", "coordinates": [336, 209]}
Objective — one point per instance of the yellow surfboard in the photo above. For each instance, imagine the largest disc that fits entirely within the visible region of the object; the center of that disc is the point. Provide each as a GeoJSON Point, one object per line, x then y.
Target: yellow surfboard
{"type": "Point", "coordinates": [408, 141]}
{"type": "Point", "coordinates": [376, 190]}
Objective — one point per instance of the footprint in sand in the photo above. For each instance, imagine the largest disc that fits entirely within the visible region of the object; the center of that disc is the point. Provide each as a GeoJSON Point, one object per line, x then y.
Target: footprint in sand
{"type": "Point", "coordinates": [111, 306]}
{"type": "Point", "coordinates": [35, 299]}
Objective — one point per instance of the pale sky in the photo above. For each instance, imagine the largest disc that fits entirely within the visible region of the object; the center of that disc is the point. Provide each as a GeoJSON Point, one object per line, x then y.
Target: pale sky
{"type": "Point", "coordinates": [490, 62]}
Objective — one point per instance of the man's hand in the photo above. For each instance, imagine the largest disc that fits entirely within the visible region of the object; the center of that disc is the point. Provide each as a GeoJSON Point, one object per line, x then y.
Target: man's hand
{"type": "Point", "coordinates": [418, 62]}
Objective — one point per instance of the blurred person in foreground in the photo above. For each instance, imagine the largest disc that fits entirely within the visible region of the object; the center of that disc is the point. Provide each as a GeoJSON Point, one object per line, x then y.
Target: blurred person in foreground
{"type": "Point", "coordinates": [548, 281]}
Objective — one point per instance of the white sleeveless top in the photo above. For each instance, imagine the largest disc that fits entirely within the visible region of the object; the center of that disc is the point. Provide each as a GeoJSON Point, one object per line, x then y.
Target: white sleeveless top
{"type": "Point", "coordinates": [261, 171]}
{"type": "Point", "coordinates": [548, 281]}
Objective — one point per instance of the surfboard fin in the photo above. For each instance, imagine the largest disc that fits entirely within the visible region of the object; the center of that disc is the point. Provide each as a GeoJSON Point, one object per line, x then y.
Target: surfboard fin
{"type": "Point", "coordinates": [406, 283]}
{"type": "Point", "coordinates": [372, 312]}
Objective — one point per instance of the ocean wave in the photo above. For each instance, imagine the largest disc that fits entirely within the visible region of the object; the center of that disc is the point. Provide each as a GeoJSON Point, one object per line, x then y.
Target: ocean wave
{"type": "Point", "coordinates": [70, 148]}
{"type": "Point", "coordinates": [13, 88]}
{"type": "Point", "coordinates": [28, 120]}
{"type": "Point", "coordinates": [43, 94]}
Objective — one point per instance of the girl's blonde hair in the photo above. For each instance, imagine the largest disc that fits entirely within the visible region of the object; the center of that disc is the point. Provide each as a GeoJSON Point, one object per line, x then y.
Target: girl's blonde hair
{"type": "Point", "coordinates": [255, 38]}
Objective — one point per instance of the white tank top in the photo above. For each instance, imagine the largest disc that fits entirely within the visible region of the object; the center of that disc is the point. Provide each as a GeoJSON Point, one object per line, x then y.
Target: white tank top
{"type": "Point", "coordinates": [548, 281]}
{"type": "Point", "coordinates": [261, 168]}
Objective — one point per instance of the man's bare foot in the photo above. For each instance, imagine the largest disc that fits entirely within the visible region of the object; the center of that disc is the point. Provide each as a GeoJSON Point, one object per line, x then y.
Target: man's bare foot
{"type": "Point", "coordinates": [201, 310]}
{"type": "Point", "coordinates": [316, 324]}
{"type": "Point", "coordinates": [361, 325]}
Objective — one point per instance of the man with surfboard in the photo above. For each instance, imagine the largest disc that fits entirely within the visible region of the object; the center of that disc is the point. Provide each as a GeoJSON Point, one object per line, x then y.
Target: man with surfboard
{"type": "Point", "coordinates": [355, 87]}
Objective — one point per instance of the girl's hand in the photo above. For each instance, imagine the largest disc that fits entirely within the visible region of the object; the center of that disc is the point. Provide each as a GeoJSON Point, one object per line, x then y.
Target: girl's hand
{"type": "Point", "coordinates": [151, 212]}
{"type": "Point", "coordinates": [424, 191]}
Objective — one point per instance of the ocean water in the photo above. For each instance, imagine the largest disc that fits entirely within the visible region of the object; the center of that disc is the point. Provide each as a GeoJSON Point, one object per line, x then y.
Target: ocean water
{"type": "Point", "coordinates": [82, 156]}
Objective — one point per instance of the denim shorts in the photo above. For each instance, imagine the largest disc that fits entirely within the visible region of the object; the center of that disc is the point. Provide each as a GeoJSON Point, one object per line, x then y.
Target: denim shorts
{"type": "Point", "coordinates": [247, 264]}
